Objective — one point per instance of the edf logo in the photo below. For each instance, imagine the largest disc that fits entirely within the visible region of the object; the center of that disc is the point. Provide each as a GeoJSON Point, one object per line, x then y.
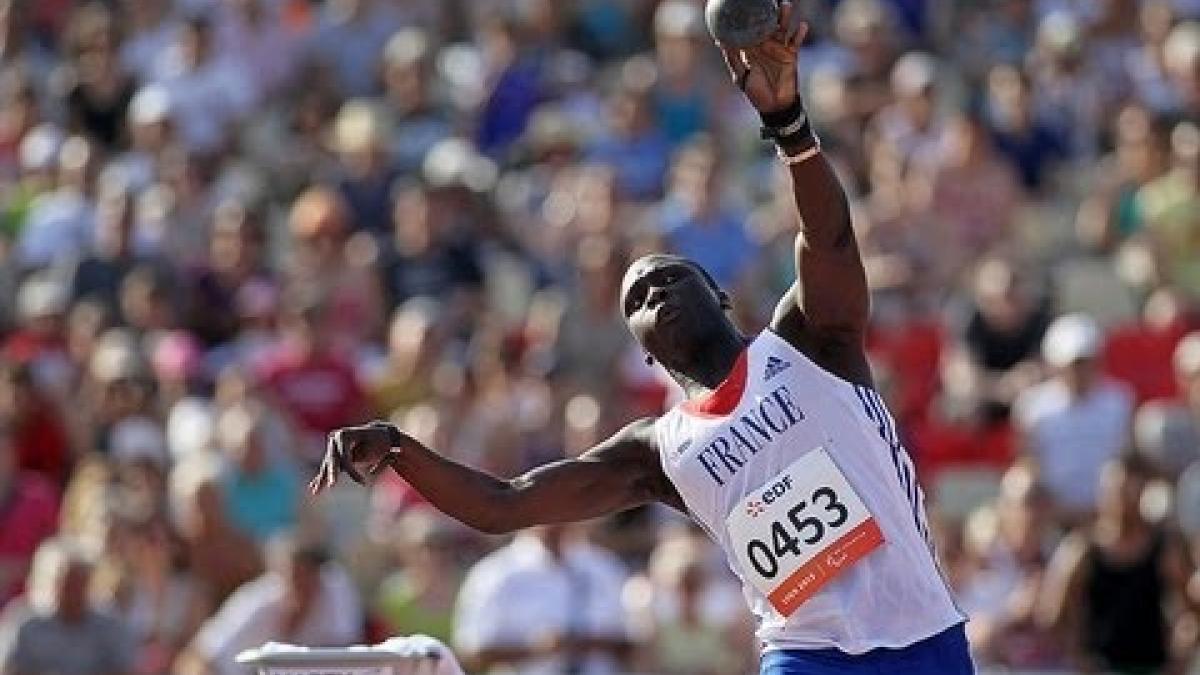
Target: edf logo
{"type": "Point", "coordinates": [777, 490]}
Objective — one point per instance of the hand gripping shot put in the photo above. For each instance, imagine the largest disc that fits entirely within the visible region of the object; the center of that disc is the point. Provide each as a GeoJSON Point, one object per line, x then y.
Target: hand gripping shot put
{"type": "Point", "coordinates": [783, 451]}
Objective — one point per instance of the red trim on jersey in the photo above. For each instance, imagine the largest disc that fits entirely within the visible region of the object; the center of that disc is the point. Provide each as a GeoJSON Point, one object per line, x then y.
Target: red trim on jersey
{"type": "Point", "coordinates": [725, 398]}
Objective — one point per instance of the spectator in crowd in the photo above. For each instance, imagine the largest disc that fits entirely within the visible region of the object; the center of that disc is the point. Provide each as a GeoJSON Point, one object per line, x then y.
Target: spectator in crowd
{"type": "Point", "coordinates": [419, 596]}
{"type": "Point", "coordinates": [590, 334]}
{"type": "Point", "coordinates": [207, 92]}
{"type": "Point", "coordinates": [222, 556]}
{"type": "Point", "coordinates": [310, 382]}
{"type": "Point", "coordinates": [1008, 547]}
{"type": "Point", "coordinates": [969, 192]}
{"type": "Point", "coordinates": [28, 516]}
{"type": "Point", "coordinates": [99, 272]}
{"type": "Point", "coordinates": [1142, 150]}
{"type": "Point", "coordinates": [1002, 336]}
{"type": "Point", "coordinates": [1181, 53]}
{"type": "Point", "coordinates": [1140, 353]}
{"type": "Point", "coordinates": [257, 40]}
{"type": "Point", "coordinates": [680, 622]}
{"type": "Point", "coordinates": [913, 124]}
{"type": "Point", "coordinates": [549, 602]}
{"type": "Point", "coordinates": [421, 118]}
{"type": "Point", "coordinates": [426, 256]}
{"type": "Point", "coordinates": [365, 177]}
{"type": "Point", "coordinates": [348, 39]}
{"type": "Point", "coordinates": [1075, 421]}
{"type": "Point", "coordinates": [329, 261]}
{"type": "Point", "coordinates": [61, 630]}
{"type": "Point", "coordinates": [38, 435]}
{"type": "Point", "coordinates": [1113, 589]}
{"type": "Point", "coordinates": [236, 258]}
{"type": "Point", "coordinates": [684, 98]}
{"type": "Point", "coordinates": [60, 222]}
{"type": "Point", "coordinates": [152, 26]}
{"type": "Point", "coordinates": [1030, 144]}
{"type": "Point", "coordinates": [697, 223]}
{"type": "Point", "coordinates": [303, 598]}
{"type": "Point", "coordinates": [101, 88]}
{"type": "Point", "coordinates": [261, 488]}
{"type": "Point", "coordinates": [138, 458]}
{"type": "Point", "coordinates": [403, 379]}
{"type": "Point", "coordinates": [512, 80]}
{"type": "Point", "coordinates": [1187, 371]}
{"type": "Point", "coordinates": [633, 145]}
{"type": "Point", "coordinates": [145, 582]}
{"type": "Point", "coordinates": [1169, 204]}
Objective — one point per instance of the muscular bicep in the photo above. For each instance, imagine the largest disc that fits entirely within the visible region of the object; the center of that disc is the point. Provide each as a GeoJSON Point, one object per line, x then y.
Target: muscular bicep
{"type": "Point", "coordinates": [618, 474]}
{"type": "Point", "coordinates": [825, 312]}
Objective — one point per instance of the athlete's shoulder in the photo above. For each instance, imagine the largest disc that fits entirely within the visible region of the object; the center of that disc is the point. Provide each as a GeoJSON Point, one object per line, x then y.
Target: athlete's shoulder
{"type": "Point", "coordinates": [840, 353]}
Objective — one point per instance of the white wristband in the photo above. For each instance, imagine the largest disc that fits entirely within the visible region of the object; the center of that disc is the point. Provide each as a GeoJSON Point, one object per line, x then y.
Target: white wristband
{"type": "Point", "coordinates": [804, 156]}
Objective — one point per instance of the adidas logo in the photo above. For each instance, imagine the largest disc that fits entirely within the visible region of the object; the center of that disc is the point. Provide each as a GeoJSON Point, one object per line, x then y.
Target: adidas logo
{"type": "Point", "coordinates": [775, 366]}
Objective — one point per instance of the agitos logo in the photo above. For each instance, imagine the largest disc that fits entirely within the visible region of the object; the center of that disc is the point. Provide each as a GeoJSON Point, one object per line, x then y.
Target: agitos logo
{"type": "Point", "coordinates": [755, 509]}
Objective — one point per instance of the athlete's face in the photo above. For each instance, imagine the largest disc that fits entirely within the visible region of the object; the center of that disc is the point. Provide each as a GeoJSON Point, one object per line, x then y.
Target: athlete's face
{"type": "Point", "coordinates": [668, 304]}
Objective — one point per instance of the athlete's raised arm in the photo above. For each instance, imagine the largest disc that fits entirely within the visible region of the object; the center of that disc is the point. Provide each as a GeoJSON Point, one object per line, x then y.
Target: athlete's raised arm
{"type": "Point", "coordinates": [825, 312]}
{"type": "Point", "coordinates": [619, 473]}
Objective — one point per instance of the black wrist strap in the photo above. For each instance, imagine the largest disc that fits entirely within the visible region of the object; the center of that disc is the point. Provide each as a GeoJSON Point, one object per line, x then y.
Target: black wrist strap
{"type": "Point", "coordinates": [787, 126]}
{"type": "Point", "coordinates": [395, 438]}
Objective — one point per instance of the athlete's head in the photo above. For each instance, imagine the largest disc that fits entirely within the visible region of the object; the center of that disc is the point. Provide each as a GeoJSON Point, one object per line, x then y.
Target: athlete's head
{"type": "Point", "coordinates": [673, 307]}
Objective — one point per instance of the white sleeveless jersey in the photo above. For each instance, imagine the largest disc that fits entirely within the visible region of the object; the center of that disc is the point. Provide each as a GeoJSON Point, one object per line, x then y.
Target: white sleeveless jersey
{"type": "Point", "coordinates": [802, 480]}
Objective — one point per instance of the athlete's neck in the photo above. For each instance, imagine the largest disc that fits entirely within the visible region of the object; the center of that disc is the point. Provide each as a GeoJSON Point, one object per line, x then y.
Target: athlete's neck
{"type": "Point", "coordinates": [711, 365]}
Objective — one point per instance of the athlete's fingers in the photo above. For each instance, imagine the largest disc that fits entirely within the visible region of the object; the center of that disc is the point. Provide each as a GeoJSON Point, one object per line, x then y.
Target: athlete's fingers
{"type": "Point", "coordinates": [774, 50]}
{"type": "Point", "coordinates": [798, 34]}
{"type": "Point", "coordinates": [735, 61]}
{"type": "Point", "coordinates": [332, 464]}
{"type": "Point", "coordinates": [319, 481]}
{"type": "Point", "coordinates": [785, 21]}
{"type": "Point", "coordinates": [344, 458]}
{"type": "Point", "coordinates": [379, 465]}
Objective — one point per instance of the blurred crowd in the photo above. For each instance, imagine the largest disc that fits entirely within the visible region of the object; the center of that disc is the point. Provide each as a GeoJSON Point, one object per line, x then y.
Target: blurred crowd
{"type": "Point", "coordinates": [228, 227]}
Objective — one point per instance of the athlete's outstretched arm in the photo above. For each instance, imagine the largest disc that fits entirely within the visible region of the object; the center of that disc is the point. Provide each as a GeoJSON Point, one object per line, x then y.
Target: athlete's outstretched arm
{"type": "Point", "coordinates": [825, 312]}
{"type": "Point", "coordinates": [619, 473]}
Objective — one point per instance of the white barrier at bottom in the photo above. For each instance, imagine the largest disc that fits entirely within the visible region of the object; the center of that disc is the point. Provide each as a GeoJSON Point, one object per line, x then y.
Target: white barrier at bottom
{"type": "Point", "coordinates": [413, 655]}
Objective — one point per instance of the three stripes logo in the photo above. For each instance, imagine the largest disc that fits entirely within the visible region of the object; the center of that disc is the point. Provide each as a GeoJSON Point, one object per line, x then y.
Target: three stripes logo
{"type": "Point", "coordinates": [775, 366]}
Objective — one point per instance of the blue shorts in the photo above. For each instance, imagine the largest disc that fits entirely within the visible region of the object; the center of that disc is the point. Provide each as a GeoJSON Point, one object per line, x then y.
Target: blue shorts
{"type": "Point", "coordinates": [946, 653]}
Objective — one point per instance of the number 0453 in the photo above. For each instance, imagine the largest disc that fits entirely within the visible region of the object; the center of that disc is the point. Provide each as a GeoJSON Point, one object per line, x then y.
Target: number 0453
{"type": "Point", "coordinates": [807, 528]}
{"type": "Point", "coordinates": [800, 530]}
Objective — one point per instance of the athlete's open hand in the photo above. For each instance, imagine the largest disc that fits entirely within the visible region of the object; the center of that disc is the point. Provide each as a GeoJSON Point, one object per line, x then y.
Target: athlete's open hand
{"type": "Point", "coordinates": [766, 72]}
{"type": "Point", "coordinates": [354, 450]}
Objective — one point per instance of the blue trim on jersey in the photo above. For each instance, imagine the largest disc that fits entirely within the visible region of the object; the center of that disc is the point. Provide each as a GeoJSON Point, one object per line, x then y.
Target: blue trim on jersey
{"type": "Point", "coordinates": [906, 473]}
{"type": "Point", "coordinates": [946, 653]}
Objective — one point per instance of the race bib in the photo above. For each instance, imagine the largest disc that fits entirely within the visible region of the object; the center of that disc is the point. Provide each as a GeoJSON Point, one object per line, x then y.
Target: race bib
{"type": "Point", "coordinates": [800, 530]}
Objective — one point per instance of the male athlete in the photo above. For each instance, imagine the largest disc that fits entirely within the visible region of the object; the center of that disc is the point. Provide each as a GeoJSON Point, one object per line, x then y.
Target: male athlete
{"type": "Point", "coordinates": [783, 451]}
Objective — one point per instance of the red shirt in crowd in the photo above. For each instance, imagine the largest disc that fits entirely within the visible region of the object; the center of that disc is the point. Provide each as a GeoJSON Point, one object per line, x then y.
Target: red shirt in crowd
{"type": "Point", "coordinates": [939, 445]}
{"type": "Point", "coordinates": [28, 514]}
{"type": "Point", "coordinates": [41, 444]}
{"type": "Point", "coordinates": [1142, 357]}
{"type": "Point", "coordinates": [912, 351]}
{"type": "Point", "coordinates": [320, 390]}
